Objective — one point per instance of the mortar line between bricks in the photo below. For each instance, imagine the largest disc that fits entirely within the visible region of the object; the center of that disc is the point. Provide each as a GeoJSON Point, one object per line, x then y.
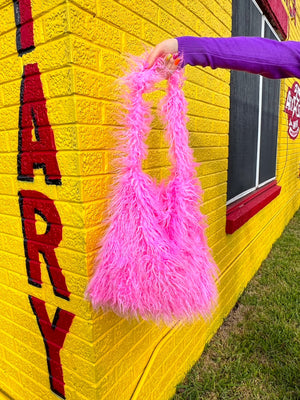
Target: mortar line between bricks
{"type": "Point", "coordinates": [46, 373]}
{"type": "Point", "coordinates": [205, 22]}
{"type": "Point", "coordinates": [54, 305]}
{"type": "Point", "coordinates": [39, 337]}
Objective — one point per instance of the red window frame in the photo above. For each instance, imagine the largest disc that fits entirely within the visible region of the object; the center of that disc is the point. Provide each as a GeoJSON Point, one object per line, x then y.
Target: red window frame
{"type": "Point", "coordinates": [277, 15]}
{"type": "Point", "coordinates": [242, 210]}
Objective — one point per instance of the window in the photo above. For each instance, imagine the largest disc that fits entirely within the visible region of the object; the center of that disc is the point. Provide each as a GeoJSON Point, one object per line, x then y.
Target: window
{"type": "Point", "coordinates": [254, 107]}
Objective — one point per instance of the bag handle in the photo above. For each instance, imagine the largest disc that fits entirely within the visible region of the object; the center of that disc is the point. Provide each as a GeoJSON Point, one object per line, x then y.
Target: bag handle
{"type": "Point", "coordinates": [173, 112]}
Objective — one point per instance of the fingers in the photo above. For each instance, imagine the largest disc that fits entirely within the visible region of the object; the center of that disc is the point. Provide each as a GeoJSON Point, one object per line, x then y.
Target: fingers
{"type": "Point", "coordinates": [155, 53]}
{"type": "Point", "coordinates": [172, 61]}
{"type": "Point", "coordinates": [169, 46]}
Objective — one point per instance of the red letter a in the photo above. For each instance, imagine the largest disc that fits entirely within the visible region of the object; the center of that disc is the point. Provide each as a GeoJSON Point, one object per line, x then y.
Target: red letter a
{"type": "Point", "coordinates": [31, 203]}
{"type": "Point", "coordinates": [54, 336]}
{"type": "Point", "coordinates": [39, 153]}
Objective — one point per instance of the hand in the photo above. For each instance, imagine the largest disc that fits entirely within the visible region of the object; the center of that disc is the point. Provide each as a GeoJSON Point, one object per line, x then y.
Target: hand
{"type": "Point", "coordinates": [167, 48]}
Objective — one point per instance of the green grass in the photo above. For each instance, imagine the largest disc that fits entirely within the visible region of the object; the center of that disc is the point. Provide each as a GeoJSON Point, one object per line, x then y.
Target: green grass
{"type": "Point", "coordinates": [256, 352]}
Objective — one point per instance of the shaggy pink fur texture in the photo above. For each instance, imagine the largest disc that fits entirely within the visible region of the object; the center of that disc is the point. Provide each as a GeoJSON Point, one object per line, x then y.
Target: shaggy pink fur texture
{"type": "Point", "coordinates": [154, 260]}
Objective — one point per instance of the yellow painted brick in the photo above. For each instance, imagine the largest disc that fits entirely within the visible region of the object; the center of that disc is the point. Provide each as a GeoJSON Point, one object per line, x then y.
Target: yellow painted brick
{"type": "Point", "coordinates": [65, 137]}
{"type": "Point", "coordinates": [156, 158]}
{"type": "Point", "coordinates": [59, 82]}
{"type": "Point", "coordinates": [212, 205]}
{"type": "Point", "coordinates": [85, 54]}
{"type": "Point", "coordinates": [173, 26]}
{"type": "Point", "coordinates": [55, 23]}
{"type": "Point", "coordinates": [42, 392]}
{"type": "Point", "coordinates": [12, 244]}
{"type": "Point", "coordinates": [96, 85]}
{"type": "Point", "coordinates": [61, 111]}
{"type": "Point", "coordinates": [213, 179]}
{"type": "Point", "coordinates": [186, 17]}
{"type": "Point", "coordinates": [133, 46]}
{"type": "Point", "coordinates": [92, 163]}
{"type": "Point", "coordinates": [95, 188]}
{"type": "Point", "coordinates": [10, 225]}
{"type": "Point", "coordinates": [71, 214]}
{"type": "Point", "coordinates": [219, 224]}
{"type": "Point", "coordinates": [79, 366]}
{"type": "Point", "coordinates": [70, 190]}
{"type": "Point", "coordinates": [8, 369]}
{"type": "Point", "coordinates": [215, 191]}
{"type": "Point", "coordinates": [112, 113]}
{"type": "Point", "coordinates": [112, 63]}
{"type": "Point", "coordinates": [3, 276]}
{"type": "Point", "coordinates": [14, 297]}
{"type": "Point", "coordinates": [11, 93]}
{"type": "Point", "coordinates": [52, 55]}
{"type": "Point", "coordinates": [76, 284]}
{"type": "Point", "coordinates": [39, 185]}
{"type": "Point", "coordinates": [43, 6]}
{"type": "Point", "coordinates": [88, 111]}
{"type": "Point", "coordinates": [154, 34]}
{"type": "Point", "coordinates": [73, 239]}
{"type": "Point", "coordinates": [210, 153]}
{"type": "Point", "coordinates": [83, 329]}
{"type": "Point", "coordinates": [16, 331]}
{"type": "Point", "coordinates": [93, 237]}
{"type": "Point", "coordinates": [38, 31]}
{"type": "Point", "coordinates": [96, 137]}
{"type": "Point", "coordinates": [122, 17]}
{"type": "Point", "coordinates": [6, 309]}
{"type": "Point", "coordinates": [69, 163]}
{"type": "Point", "coordinates": [95, 212]}
{"type": "Point", "coordinates": [88, 27]}
{"type": "Point", "coordinates": [4, 142]}
{"type": "Point", "coordinates": [81, 348]}
{"type": "Point", "coordinates": [207, 140]}
{"type": "Point", "coordinates": [8, 44]}
{"type": "Point", "coordinates": [10, 69]}
{"type": "Point", "coordinates": [167, 5]}
{"type": "Point", "coordinates": [19, 282]}
{"type": "Point", "coordinates": [80, 385]}
{"type": "Point", "coordinates": [146, 9]}
{"type": "Point", "coordinates": [71, 260]}
{"type": "Point", "coordinates": [210, 167]}
{"type": "Point", "coordinates": [7, 18]}
{"type": "Point", "coordinates": [8, 163]}
{"type": "Point", "coordinates": [89, 5]}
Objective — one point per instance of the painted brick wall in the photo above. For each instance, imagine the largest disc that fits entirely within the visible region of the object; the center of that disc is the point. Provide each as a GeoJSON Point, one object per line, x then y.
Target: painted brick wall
{"type": "Point", "coordinates": [75, 49]}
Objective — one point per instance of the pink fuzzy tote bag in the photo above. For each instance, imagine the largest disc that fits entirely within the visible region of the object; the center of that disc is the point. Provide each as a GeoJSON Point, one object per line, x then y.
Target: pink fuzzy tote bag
{"type": "Point", "coordinates": [154, 260]}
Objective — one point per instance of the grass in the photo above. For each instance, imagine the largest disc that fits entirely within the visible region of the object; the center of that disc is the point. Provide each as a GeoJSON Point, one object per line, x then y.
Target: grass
{"type": "Point", "coordinates": [256, 352]}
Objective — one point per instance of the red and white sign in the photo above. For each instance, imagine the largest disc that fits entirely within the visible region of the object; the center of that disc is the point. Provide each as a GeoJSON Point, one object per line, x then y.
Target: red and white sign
{"type": "Point", "coordinates": [292, 108]}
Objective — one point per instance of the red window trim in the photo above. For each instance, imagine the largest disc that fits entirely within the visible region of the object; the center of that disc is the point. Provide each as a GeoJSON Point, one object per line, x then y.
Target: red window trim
{"type": "Point", "coordinates": [242, 210]}
{"type": "Point", "coordinates": [277, 14]}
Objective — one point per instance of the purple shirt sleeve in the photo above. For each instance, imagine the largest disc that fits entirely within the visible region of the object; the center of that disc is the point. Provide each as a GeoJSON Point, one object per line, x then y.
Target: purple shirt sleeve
{"type": "Point", "coordinates": [266, 57]}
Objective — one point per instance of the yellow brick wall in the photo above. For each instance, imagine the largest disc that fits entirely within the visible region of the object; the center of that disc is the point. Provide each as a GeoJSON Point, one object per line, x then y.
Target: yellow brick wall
{"type": "Point", "coordinates": [79, 48]}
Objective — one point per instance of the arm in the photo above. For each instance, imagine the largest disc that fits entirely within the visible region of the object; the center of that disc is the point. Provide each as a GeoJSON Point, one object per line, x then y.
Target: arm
{"type": "Point", "coordinates": [266, 57]}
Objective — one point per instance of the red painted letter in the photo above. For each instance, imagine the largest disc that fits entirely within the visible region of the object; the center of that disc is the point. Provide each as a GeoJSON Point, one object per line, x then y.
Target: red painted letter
{"type": "Point", "coordinates": [54, 336]}
{"type": "Point", "coordinates": [39, 153]}
{"type": "Point", "coordinates": [31, 203]}
{"type": "Point", "coordinates": [24, 23]}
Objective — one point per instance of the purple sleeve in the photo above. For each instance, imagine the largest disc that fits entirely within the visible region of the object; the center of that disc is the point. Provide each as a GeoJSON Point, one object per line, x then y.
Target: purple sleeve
{"type": "Point", "coordinates": [266, 57]}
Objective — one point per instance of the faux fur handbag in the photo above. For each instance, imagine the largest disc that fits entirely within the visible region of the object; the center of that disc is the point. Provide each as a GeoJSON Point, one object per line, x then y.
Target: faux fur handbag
{"type": "Point", "coordinates": [154, 260]}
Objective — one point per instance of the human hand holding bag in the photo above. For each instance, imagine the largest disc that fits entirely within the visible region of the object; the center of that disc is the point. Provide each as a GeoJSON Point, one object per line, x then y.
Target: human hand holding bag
{"type": "Point", "coordinates": [154, 260]}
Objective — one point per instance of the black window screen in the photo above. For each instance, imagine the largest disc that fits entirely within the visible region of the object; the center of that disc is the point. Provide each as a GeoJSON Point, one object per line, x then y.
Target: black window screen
{"type": "Point", "coordinates": [247, 20]}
